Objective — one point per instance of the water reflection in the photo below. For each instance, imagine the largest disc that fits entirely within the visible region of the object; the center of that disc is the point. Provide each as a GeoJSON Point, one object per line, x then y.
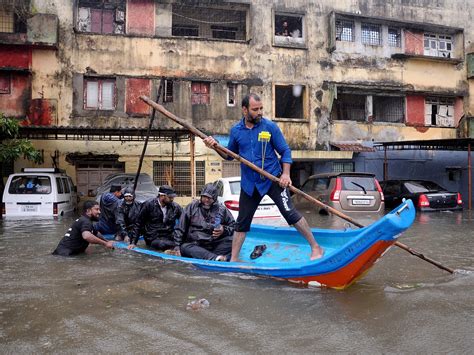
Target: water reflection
{"type": "Point", "coordinates": [116, 301]}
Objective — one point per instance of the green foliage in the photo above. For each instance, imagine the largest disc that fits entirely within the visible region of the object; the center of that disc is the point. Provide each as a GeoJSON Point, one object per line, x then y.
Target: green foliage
{"type": "Point", "coordinates": [13, 148]}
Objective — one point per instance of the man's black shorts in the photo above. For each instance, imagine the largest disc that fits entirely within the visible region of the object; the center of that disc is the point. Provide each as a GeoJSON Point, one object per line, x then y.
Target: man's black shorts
{"type": "Point", "coordinates": [248, 206]}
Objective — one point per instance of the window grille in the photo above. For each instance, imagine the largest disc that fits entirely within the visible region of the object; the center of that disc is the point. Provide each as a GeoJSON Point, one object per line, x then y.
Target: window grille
{"type": "Point", "coordinates": [230, 168]}
{"type": "Point", "coordinates": [389, 109]}
{"type": "Point", "coordinates": [7, 23]}
{"type": "Point", "coordinates": [168, 91]}
{"type": "Point", "coordinates": [178, 175]}
{"type": "Point", "coordinates": [185, 30]}
{"type": "Point", "coordinates": [224, 32]}
{"type": "Point", "coordinates": [345, 31]}
{"type": "Point", "coordinates": [350, 107]}
{"type": "Point", "coordinates": [343, 167]}
{"type": "Point", "coordinates": [394, 37]}
{"type": "Point", "coordinates": [207, 22]}
{"type": "Point", "coordinates": [371, 34]}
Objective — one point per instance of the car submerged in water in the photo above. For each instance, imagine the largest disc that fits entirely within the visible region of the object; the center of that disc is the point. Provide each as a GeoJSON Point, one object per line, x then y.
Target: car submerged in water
{"type": "Point", "coordinates": [146, 188]}
{"type": "Point", "coordinates": [228, 190]}
{"type": "Point", "coordinates": [347, 192]}
{"type": "Point", "coordinates": [426, 195]}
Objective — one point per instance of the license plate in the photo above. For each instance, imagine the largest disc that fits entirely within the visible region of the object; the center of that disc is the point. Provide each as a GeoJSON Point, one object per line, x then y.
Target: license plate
{"type": "Point", "coordinates": [361, 202]}
{"type": "Point", "coordinates": [29, 208]}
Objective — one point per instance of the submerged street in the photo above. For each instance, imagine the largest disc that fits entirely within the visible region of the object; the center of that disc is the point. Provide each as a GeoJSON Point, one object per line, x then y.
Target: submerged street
{"type": "Point", "coordinates": [121, 302]}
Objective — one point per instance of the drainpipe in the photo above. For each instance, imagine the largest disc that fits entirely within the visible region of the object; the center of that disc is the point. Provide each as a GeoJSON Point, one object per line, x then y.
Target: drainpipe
{"type": "Point", "coordinates": [385, 164]}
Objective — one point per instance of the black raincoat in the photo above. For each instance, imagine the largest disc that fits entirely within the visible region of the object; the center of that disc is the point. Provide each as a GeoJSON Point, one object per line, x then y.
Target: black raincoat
{"type": "Point", "coordinates": [153, 224]}
{"type": "Point", "coordinates": [197, 223]}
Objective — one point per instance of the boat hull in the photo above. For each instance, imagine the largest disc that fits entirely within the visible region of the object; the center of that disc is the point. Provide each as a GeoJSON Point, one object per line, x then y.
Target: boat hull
{"type": "Point", "coordinates": [348, 255]}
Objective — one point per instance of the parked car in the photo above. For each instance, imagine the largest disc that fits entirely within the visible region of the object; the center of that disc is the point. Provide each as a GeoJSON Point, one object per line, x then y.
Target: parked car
{"type": "Point", "coordinates": [39, 192]}
{"type": "Point", "coordinates": [346, 192]}
{"type": "Point", "coordinates": [146, 188]}
{"type": "Point", "coordinates": [229, 192]}
{"type": "Point", "coordinates": [426, 195]}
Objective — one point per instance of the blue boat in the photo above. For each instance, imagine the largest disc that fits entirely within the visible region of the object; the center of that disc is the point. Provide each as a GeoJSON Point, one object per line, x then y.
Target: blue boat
{"type": "Point", "coordinates": [348, 255]}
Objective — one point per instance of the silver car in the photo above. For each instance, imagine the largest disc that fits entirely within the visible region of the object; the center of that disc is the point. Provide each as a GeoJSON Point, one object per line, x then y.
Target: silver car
{"type": "Point", "coordinates": [346, 192]}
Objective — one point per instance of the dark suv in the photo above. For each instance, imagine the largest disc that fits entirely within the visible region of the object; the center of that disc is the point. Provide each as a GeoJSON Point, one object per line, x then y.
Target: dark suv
{"type": "Point", "coordinates": [426, 195]}
{"type": "Point", "coordinates": [346, 192]}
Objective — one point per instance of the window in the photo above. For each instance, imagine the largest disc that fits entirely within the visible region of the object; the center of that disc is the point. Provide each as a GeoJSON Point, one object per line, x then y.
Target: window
{"type": "Point", "coordinates": [289, 101]}
{"type": "Point", "coordinates": [343, 167]}
{"type": "Point", "coordinates": [388, 109]}
{"type": "Point", "coordinates": [289, 25]}
{"type": "Point", "coordinates": [224, 32]}
{"type": "Point", "coordinates": [200, 93]}
{"type": "Point", "coordinates": [350, 107]}
{"type": "Point", "coordinates": [178, 175]}
{"type": "Point", "coordinates": [371, 34]}
{"type": "Point", "coordinates": [207, 22]}
{"type": "Point", "coordinates": [30, 184]}
{"type": "Point", "coordinates": [99, 94]}
{"type": "Point", "coordinates": [168, 91]}
{"type": "Point", "coordinates": [104, 17]}
{"type": "Point", "coordinates": [5, 83]}
{"type": "Point", "coordinates": [7, 23]}
{"type": "Point", "coordinates": [394, 37]}
{"type": "Point", "coordinates": [231, 92]}
{"type": "Point", "coordinates": [439, 111]}
{"type": "Point", "coordinates": [185, 30]}
{"type": "Point", "coordinates": [59, 185]}
{"type": "Point", "coordinates": [364, 107]}
{"type": "Point", "coordinates": [345, 30]}
{"type": "Point", "coordinates": [67, 189]}
{"type": "Point", "coordinates": [438, 45]}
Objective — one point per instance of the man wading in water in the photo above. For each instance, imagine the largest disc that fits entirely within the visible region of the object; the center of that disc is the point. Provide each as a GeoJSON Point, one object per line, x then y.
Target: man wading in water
{"type": "Point", "coordinates": [256, 139]}
{"type": "Point", "coordinates": [77, 238]}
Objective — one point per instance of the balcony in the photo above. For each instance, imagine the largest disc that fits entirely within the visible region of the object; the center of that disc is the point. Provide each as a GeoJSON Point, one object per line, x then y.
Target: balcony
{"type": "Point", "coordinates": [40, 30]}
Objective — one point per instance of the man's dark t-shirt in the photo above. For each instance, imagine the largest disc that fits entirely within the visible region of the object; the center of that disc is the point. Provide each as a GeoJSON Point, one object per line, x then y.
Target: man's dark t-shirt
{"type": "Point", "coordinates": [72, 242]}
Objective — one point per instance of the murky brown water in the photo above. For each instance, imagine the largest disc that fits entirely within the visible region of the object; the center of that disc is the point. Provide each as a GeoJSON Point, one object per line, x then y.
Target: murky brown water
{"type": "Point", "coordinates": [121, 302]}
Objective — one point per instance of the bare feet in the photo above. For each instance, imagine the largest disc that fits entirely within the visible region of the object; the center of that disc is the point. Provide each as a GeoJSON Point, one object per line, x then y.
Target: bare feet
{"type": "Point", "coordinates": [221, 258]}
{"type": "Point", "coordinates": [316, 253]}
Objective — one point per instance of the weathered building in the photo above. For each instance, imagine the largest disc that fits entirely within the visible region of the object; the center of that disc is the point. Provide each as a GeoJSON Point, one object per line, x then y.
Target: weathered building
{"type": "Point", "coordinates": [335, 76]}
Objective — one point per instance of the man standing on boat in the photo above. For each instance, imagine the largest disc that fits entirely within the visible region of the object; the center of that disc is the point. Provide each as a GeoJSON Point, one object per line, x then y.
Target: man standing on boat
{"type": "Point", "coordinates": [205, 229]}
{"type": "Point", "coordinates": [82, 233]}
{"type": "Point", "coordinates": [258, 139]}
{"type": "Point", "coordinates": [158, 218]}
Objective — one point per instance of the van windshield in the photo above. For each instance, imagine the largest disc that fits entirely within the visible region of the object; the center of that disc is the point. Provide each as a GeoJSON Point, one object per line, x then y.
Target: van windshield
{"type": "Point", "coordinates": [30, 184]}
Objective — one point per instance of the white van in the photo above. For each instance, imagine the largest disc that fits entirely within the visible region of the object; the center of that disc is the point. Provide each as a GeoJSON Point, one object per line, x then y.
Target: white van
{"type": "Point", "coordinates": [39, 192]}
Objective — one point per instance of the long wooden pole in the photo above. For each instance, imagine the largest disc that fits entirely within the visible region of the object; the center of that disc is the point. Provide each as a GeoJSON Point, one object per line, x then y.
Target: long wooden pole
{"type": "Point", "coordinates": [269, 176]}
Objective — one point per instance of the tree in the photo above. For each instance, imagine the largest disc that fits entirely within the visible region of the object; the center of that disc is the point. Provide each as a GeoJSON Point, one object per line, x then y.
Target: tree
{"type": "Point", "coordinates": [12, 147]}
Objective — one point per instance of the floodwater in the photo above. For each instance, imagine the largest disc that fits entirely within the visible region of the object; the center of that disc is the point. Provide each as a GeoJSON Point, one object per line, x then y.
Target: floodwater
{"type": "Point", "coordinates": [122, 302]}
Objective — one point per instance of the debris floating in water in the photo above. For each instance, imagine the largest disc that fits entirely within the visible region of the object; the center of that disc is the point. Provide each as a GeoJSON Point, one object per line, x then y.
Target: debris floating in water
{"type": "Point", "coordinates": [196, 305]}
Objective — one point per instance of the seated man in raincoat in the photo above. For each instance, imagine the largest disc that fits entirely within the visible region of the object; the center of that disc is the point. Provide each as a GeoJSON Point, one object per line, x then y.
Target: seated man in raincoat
{"type": "Point", "coordinates": [205, 229]}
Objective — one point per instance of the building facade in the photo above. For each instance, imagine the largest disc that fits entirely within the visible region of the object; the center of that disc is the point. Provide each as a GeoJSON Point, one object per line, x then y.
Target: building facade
{"type": "Point", "coordinates": [335, 76]}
